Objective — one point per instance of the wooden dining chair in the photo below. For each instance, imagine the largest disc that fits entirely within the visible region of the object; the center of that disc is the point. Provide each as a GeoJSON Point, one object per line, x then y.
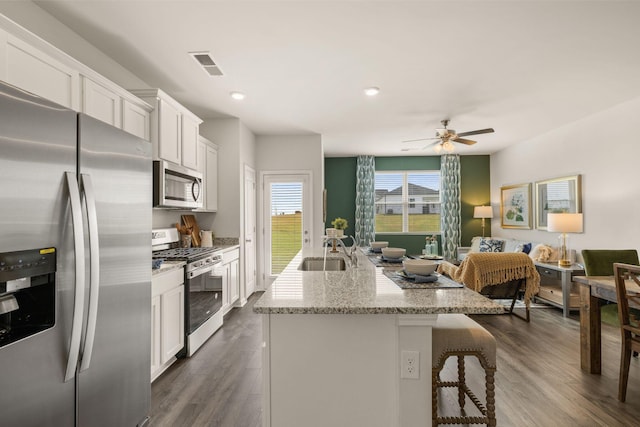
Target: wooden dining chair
{"type": "Point", "coordinates": [629, 327]}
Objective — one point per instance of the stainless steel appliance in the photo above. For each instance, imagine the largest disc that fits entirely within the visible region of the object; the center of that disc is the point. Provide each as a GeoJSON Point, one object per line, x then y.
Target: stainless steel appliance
{"type": "Point", "coordinates": [176, 186]}
{"type": "Point", "coordinates": [203, 296]}
{"type": "Point", "coordinates": [75, 282]}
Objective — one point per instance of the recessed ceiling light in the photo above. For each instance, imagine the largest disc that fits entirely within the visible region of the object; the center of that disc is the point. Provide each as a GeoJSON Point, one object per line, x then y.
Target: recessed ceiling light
{"type": "Point", "coordinates": [372, 91]}
{"type": "Point", "coordinates": [237, 95]}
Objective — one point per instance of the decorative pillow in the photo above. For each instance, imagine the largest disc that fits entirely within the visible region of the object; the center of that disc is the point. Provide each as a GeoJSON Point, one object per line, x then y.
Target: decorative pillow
{"type": "Point", "coordinates": [543, 253]}
{"type": "Point", "coordinates": [490, 245]}
{"type": "Point", "coordinates": [524, 248]}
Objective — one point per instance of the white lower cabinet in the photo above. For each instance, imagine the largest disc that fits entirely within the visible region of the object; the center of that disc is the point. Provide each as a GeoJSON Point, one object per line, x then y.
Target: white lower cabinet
{"type": "Point", "coordinates": [230, 274]}
{"type": "Point", "coordinates": [155, 336]}
{"type": "Point", "coordinates": [234, 280]}
{"type": "Point", "coordinates": [167, 319]}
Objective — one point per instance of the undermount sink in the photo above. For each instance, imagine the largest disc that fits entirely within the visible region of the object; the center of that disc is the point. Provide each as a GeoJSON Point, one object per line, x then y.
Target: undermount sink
{"type": "Point", "coordinates": [318, 264]}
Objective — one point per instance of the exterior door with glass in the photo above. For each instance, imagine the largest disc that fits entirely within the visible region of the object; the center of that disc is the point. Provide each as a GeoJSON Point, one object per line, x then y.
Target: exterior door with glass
{"type": "Point", "coordinates": [287, 220]}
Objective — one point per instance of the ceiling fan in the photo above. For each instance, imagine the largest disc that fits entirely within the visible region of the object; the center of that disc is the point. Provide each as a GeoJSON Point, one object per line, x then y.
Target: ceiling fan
{"type": "Point", "coordinates": [446, 137]}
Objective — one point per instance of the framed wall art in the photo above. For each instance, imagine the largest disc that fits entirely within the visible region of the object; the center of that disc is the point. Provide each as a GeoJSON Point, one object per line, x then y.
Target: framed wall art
{"type": "Point", "coordinates": [515, 206]}
{"type": "Point", "coordinates": [556, 196]}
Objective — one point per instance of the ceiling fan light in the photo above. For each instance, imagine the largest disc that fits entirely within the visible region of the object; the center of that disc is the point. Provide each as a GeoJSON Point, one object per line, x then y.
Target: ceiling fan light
{"type": "Point", "coordinates": [448, 147]}
{"type": "Point", "coordinates": [438, 148]}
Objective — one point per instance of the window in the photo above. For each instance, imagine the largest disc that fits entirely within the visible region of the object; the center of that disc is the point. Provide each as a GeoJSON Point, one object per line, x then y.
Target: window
{"type": "Point", "coordinates": [407, 202]}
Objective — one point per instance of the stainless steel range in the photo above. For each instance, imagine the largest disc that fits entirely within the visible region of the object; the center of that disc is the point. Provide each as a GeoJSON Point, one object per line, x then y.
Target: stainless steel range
{"type": "Point", "coordinates": [203, 296]}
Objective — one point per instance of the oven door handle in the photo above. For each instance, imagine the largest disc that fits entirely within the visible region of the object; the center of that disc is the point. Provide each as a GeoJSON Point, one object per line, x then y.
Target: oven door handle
{"type": "Point", "coordinates": [202, 270]}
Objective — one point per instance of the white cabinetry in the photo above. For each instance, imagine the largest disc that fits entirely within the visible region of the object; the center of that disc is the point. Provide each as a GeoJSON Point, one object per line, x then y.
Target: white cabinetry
{"type": "Point", "coordinates": [208, 166]}
{"type": "Point", "coordinates": [135, 119]}
{"type": "Point", "coordinates": [167, 317]}
{"type": "Point", "coordinates": [37, 72]}
{"type": "Point", "coordinates": [190, 130]}
{"type": "Point", "coordinates": [101, 102]}
{"type": "Point", "coordinates": [168, 132]}
{"type": "Point", "coordinates": [105, 101]}
{"type": "Point", "coordinates": [231, 279]}
{"type": "Point", "coordinates": [32, 64]}
{"type": "Point", "coordinates": [174, 129]}
{"type": "Point", "coordinates": [156, 350]}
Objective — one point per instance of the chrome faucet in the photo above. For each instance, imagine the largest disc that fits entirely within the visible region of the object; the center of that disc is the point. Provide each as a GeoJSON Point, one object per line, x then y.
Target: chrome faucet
{"type": "Point", "coordinates": [349, 253]}
{"type": "Point", "coordinates": [352, 254]}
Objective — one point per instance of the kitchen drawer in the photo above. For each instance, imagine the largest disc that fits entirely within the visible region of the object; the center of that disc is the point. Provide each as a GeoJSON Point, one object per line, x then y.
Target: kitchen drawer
{"type": "Point", "coordinates": [229, 256]}
{"type": "Point", "coordinates": [163, 282]}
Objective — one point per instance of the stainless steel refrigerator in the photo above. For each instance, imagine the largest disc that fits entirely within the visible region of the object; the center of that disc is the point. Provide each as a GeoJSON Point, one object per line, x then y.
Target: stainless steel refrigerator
{"type": "Point", "coordinates": [75, 273]}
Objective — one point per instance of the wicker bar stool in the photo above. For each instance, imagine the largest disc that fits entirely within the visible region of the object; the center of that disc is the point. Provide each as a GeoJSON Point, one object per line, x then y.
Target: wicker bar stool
{"type": "Point", "coordinates": [458, 335]}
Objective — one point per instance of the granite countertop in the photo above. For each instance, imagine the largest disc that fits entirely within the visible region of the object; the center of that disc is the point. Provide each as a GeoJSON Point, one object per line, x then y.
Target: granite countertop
{"type": "Point", "coordinates": [361, 290]}
{"type": "Point", "coordinates": [168, 266]}
{"type": "Point", "coordinates": [227, 248]}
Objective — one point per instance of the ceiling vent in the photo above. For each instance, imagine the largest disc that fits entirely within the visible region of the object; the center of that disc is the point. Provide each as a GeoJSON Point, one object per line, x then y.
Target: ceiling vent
{"type": "Point", "coordinates": [207, 63]}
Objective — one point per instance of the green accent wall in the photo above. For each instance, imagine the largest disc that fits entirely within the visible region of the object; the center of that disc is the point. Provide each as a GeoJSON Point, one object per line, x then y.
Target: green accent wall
{"type": "Point", "coordinates": [475, 188]}
{"type": "Point", "coordinates": [340, 183]}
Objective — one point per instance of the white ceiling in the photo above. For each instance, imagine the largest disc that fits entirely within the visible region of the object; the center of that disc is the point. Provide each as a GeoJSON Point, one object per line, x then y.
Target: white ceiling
{"type": "Point", "coordinates": [523, 68]}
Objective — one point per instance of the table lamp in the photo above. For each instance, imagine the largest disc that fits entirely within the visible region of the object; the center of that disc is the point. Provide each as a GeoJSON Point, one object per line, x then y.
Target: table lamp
{"type": "Point", "coordinates": [483, 212]}
{"type": "Point", "coordinates": [564, 223]}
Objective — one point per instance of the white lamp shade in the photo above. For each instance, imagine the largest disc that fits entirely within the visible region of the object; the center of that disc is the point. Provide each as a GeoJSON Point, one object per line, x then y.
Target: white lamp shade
{"type": "Point", "coordinates": [482, 212]}
{"type": "Point", "coordinates": [564, 222]}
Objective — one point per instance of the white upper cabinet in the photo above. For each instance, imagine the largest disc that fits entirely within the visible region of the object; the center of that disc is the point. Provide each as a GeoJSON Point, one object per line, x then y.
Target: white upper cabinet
{"type": "Point", "coordinates": [169, 135]}
{"type": "Point", "coordinates": [32, 64]}
{"type": "Point", "coordinates": [211, 174]}
{"type": "Point", "coordinates": [174, 129]}
{"type": "Point", "coordinates": [34, 71]}
{"type": "Point", "coordinates": [207, 163]}
{"type": "Point", "coordinates": [100, 102]}
{"type": "Point", "coordinates": [136, 119]}
{"type": "Point", "coordinates": [190, 129]}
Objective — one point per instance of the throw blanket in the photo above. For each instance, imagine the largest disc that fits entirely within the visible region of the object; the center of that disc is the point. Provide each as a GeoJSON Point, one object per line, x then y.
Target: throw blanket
{"type": "Point", "coordinates": [480, 269]}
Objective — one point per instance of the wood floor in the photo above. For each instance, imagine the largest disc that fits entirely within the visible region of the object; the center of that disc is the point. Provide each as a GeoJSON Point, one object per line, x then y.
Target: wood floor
{"type": "Point", "coordinates": [538, 382]}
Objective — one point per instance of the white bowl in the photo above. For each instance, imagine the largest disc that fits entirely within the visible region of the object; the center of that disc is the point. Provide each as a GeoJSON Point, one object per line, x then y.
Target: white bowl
{"type": "Point", "coordinates": [378, 245]}
{"type": "Point", "coordinates": [393, 253]}
{"type": "Point", "coordinates": [421, 267]}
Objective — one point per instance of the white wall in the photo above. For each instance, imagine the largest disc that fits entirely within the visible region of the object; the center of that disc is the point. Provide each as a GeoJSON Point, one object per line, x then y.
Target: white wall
{"type": "Point", "coordinates": [226, 133]}
{"type": "Point", "coordinates": [44, 25]}
{"type": "Point", "coordinates": [605, 150]}
{"type": "Point", "coordinates": [288, 153]}
{"type": "Point", "coordinates": [296, 152]}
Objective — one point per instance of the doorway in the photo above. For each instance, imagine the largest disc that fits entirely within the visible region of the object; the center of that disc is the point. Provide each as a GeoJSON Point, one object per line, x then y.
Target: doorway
{"type": "Point", "coordinates": [249, 231]}
{"type": "Point", "coordinates": [287, 219]}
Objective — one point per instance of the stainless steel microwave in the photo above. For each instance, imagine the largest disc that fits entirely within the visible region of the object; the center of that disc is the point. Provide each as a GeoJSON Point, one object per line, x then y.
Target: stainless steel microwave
{"type": "Point", "coordinates": [176, 186]}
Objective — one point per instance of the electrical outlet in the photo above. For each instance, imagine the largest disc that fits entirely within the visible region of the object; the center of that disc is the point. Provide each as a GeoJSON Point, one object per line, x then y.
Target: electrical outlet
{"type": "Point", "coordinates": [410, 364]}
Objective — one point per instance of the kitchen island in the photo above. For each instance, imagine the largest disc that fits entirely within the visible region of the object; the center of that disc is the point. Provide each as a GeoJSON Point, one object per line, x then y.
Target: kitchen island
{"type": "Point", "coordinates": [333, 344]}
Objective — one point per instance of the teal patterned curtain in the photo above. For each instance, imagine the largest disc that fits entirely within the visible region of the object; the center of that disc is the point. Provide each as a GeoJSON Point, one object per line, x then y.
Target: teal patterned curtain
{"type": "Point", "coordinates": [450, 204]}
{"type": "Point", "coordinates": [365, 198]}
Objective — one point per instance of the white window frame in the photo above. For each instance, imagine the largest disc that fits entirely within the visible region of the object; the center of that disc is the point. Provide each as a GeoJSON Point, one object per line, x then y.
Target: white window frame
{"type": "Point", "coordinates": [405, 201]}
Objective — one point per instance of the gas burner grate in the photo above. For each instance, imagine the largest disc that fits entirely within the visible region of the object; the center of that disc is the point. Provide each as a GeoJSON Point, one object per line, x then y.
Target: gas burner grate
{"type": "Point", "coordinates": [185, 254]}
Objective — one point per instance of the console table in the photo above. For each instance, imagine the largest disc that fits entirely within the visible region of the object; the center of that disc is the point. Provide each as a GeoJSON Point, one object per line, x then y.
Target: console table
{"type": "Point", "coordinates": [556, 286]}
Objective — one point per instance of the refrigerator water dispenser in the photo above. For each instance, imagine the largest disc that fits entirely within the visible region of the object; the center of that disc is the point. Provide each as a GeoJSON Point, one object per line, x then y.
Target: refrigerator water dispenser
{"type": "Point", "coordinates": [27, 293]}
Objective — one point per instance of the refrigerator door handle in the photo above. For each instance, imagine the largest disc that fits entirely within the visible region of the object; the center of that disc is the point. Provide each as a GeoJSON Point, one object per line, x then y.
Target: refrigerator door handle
{"type": "Point", "coordinates": [94, 284]}
{"type": "Point", "coordinates": [78, 305]}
